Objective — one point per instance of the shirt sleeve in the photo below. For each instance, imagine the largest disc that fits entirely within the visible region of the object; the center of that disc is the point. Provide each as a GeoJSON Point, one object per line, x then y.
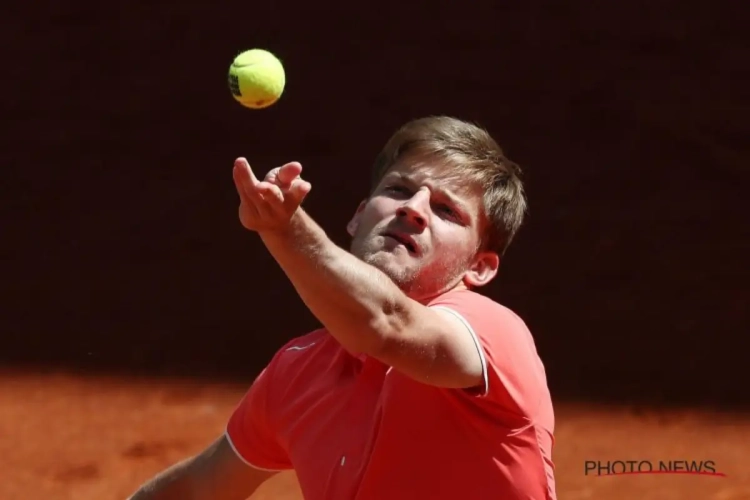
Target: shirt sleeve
{"type": "Point", "coordinates": [250, 429]}
{"type": "Point", "coordinates": [512, 371]}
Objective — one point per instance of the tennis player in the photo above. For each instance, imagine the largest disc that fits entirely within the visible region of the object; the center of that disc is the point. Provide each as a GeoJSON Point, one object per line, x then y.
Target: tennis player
{"type": "Point", "coordinates": [416, 385]}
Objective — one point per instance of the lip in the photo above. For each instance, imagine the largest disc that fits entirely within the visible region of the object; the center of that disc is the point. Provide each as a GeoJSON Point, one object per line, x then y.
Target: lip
{"type": "Point", "coordinates": [406, 240]}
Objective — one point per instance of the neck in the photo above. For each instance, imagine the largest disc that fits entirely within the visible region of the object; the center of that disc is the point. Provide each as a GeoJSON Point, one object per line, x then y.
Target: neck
{"type": "Point", "coordinates": [426, 299]}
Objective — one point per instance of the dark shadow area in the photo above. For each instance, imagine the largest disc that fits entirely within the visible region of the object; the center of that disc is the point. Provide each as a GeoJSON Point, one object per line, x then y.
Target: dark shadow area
{"type": "Point", "coordinates": [122, 251]}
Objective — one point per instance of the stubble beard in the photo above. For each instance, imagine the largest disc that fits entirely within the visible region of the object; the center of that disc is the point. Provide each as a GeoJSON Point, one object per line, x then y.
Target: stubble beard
{"type": "Point", "coordinates": [419, 280]}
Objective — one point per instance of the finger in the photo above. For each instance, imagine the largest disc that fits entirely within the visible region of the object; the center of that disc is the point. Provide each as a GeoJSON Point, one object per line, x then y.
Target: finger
{"type": "Point", "coordinates": [243, 174]}
{"type": "Point", "coordinates": [243, 183]}
{"type": "Point", "coordinates": [271, 175]}
{"type": "Point", "coordinates": [284, 175]}
{"type": "Point", "coordinates": [269, 199]}
{"type": "Point", "coordinates": [252, 192]}
{"type": "Point", "coordinates": [280, 202]}
{"type": "Point", "coordinates": [247, 205]}
{"type": "Point", "coordinates": [246, 180]}
{"type": "Point", "coordinates": [244, 167]}
{"type": "Point", "coordinates": [299, 190]}
{"type": "Point", "coordinates": [240, 180]}
{"type": "Point", "coordinates": [287, 173]}
{"type": "Point", "coordinates": [271, 193]}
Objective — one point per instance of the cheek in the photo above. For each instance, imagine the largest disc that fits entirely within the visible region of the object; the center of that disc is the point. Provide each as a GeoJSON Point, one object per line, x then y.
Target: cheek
{"type": "Point", "coordinates": [376, 212]}
{"type": "Point", "coordinates": [381, 206]}
{"type": "Point", "coordinates": [366, 223]}
{"type": "Point", "coordinates": [452, 243]}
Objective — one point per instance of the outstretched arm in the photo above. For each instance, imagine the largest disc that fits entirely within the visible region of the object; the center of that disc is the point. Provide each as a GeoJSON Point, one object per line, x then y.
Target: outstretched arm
{"type": "Point", "coordinates": [358, 304]}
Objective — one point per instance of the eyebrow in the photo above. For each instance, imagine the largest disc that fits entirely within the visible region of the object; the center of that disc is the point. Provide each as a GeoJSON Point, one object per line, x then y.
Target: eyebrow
{"type": "Point", "coordinates": [443, 192]}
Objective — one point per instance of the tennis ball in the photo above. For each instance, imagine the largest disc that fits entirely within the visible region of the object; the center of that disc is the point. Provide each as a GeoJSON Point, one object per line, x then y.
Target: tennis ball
{"type": "Point", "coordinates": [256, 78]}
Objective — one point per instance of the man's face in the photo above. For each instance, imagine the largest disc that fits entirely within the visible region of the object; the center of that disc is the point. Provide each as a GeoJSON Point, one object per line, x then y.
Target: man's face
{"type": "Point", "coordinates": [420, 229]}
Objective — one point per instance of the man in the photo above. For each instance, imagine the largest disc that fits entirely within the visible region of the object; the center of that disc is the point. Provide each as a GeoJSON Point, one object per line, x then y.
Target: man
{"type": "Point", "coordinates": [416, 386]}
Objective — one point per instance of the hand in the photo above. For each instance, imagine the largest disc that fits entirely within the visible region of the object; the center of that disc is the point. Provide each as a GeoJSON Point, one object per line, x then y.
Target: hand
{"type": "Point", "coordinates": [269, 205]}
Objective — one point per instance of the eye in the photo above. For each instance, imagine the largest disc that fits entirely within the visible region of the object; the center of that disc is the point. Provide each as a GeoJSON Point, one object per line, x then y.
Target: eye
{"type": "Point", "coordinates": [447, 210]}
{"type": "Point", "coordinates": [397, 189]}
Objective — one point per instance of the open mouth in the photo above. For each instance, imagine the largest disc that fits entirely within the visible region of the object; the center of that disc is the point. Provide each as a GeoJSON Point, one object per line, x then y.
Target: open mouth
{"type": "Point", "coordinates": [404, 240]}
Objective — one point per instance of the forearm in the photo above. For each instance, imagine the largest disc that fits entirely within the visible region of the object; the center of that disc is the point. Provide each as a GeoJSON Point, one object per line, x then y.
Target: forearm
{"type": "Point", "coordinates": [171, 484]}
{"type": "Point", "coordinates": [357, 303]}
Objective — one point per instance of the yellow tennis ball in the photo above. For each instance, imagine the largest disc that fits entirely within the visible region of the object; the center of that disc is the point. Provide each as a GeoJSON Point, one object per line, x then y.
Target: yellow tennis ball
{"type": "Point", "coordinates": [256, 78]}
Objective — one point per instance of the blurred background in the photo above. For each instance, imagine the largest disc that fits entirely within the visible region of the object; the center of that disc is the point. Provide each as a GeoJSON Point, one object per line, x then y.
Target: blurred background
{"type": "Point", "coordinates": [136, 310]}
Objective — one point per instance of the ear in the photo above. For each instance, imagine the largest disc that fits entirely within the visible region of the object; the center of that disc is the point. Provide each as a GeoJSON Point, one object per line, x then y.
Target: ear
{"type": "Point", "coordinates": [483, 270]}
{"type": "Point", "coordinates": [351, 228]}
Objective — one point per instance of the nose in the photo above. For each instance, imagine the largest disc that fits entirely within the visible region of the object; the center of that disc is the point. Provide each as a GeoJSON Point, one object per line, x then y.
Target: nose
{"type": "Point", "coordinates": [414, 210]}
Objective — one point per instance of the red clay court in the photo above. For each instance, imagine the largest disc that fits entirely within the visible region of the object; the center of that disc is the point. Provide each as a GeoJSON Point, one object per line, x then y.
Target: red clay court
{"type": "Point", "coordinates": [66, 437]}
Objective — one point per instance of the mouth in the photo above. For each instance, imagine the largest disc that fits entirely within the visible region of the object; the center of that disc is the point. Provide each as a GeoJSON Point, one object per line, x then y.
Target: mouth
{"type": "Point", "coordinates": [405, 240]}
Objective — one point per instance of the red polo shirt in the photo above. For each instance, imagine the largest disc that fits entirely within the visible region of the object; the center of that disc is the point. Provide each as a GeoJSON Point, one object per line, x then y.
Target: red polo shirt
{"type": "Point", "coordinates": [354, 428]}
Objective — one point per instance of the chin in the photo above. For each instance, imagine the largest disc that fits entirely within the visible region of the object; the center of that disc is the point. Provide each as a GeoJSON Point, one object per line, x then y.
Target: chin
{"type": "Point", "coordinates": [386, 262]}
{"type": "Point", "coordinates": [392, 266]}
{"type": "Point", "coordinates": [414, 280]}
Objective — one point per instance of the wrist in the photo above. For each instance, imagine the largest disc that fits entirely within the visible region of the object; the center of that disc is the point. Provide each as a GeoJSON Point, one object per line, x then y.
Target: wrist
{"type": "Point", "coordinates": [283, 232]}
{"type": "Point", "coordinates": [301, 233]}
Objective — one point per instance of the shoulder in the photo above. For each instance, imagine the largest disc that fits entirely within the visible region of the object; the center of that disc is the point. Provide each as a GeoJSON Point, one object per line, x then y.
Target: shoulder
{"type": "Point", "coordinates": [481, 311]}
{"type": "Point", "coordinates": [514, 373]}
{"type": "Point", "coordinates": [501, 333]}
{"type": "Point", "coordinates": [469, 298]}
